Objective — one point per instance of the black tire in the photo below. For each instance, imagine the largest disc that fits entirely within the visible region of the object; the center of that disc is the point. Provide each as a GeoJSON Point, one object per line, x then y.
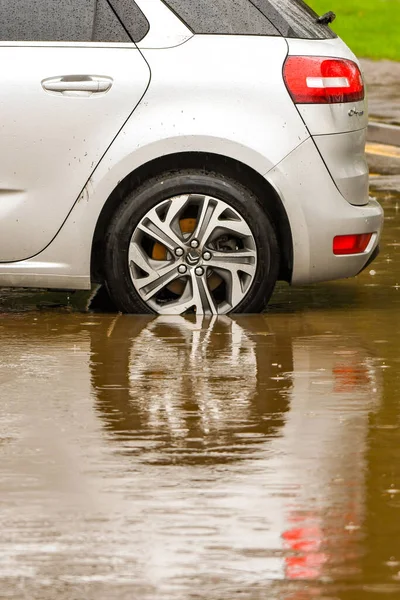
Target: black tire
{"type": "Point", "coordinates": [167, 185]}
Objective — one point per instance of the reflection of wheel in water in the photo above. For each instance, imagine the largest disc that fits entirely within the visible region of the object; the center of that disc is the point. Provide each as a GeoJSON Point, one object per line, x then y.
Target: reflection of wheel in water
{"type": "Point", "coordinates": [201, 386]}
{"type": "Point", "coordinates": [193, 383]}
{"type": "Point", "coordinates": [191, 241]}
{"type": "Point", "coordinates": [207, 366]}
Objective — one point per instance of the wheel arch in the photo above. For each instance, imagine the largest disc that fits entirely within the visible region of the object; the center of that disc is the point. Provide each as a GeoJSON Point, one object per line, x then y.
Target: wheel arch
{"type": "Point", "coordinates": [206, 161]}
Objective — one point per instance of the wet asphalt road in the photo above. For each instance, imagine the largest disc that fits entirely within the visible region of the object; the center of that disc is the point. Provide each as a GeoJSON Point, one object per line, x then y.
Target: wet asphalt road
{"type": "Point", "coordinates": [157, 459]}
{"type": "Point", "coordinates": [383, 78]}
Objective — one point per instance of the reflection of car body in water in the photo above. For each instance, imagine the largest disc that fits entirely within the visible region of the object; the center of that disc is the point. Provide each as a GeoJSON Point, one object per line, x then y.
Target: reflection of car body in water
{"type": "Point", "coordinates": [324, 438]}
{"type": "Point", "coordinates": [216, 393]}
{"type": "Point", "coordinates": [220, 454]}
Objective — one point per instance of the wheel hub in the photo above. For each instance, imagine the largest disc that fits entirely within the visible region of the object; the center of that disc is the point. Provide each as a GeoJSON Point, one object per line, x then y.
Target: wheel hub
{"type": "Point", "coordinates": [193, 257]}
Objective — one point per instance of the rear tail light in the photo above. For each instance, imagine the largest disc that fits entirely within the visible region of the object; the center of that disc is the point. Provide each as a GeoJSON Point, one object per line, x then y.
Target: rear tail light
{"type": "Point", "coordinates": [322, 80]}
{"type": "Point", "coordinates": [351, 244]}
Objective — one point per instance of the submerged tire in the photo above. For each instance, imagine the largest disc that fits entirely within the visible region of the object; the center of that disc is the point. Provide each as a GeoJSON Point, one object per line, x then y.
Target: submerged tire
{"type": "Point", "coordinates": [191, 241]}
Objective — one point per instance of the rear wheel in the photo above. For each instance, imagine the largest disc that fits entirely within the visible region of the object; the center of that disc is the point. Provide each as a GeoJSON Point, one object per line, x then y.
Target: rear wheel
{"type": "Point", "coordinates": [191, 241]}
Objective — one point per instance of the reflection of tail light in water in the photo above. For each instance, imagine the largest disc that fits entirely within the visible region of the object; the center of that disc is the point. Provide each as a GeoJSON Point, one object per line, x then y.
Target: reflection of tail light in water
{"type": "Point", "coordinates": [311, 553]}
{"type": "Point", "coordinates": [305, 541]}
{"type": "Point", "coordinates": [332, 395]}
{"type": "Point", "coordinates": [351, 376]}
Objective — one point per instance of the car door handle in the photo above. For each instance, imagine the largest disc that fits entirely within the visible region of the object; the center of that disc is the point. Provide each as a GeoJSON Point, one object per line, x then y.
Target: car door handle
{"type": "Point", "coordinates": [77, 85]}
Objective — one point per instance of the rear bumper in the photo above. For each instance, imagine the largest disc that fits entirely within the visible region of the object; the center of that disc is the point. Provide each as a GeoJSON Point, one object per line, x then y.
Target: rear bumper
{"type": "Point", "coordinates": [372, 257]}
{"type": "Point", "coordinates": [317, 212]}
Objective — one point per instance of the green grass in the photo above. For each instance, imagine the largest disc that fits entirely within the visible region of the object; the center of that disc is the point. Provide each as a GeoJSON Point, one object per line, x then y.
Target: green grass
{"type": "Point", "coordinates": [370, 27]}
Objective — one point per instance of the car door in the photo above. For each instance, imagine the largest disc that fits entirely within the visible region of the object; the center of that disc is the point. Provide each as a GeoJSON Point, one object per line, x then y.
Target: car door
{"type": "Point", "coordinates": [70, 77]}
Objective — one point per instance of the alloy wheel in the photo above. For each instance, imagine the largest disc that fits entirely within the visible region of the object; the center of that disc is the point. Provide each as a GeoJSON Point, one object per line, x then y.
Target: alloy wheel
{"type": "Point", "coordinates": [192, 253]}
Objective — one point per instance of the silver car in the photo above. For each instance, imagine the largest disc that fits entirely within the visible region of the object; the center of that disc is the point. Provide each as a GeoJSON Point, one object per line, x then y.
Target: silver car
{"type": "Point", "coordinates": [185, 154]}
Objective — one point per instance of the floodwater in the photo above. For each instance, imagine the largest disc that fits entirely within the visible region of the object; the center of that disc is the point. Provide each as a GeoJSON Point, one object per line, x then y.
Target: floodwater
{"type": "Point", "coordinates": [157, 459]}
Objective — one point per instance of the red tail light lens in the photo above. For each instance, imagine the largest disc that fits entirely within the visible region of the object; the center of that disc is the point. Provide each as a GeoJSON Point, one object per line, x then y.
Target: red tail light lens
{"type": "Point", "coordinates": [321, 80]}
{"type": "Point", "coordinates": [351, 244]}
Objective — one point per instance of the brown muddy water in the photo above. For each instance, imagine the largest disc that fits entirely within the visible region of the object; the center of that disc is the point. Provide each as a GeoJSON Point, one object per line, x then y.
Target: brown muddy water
{"type": "Point", "coordinates": [156, 459]}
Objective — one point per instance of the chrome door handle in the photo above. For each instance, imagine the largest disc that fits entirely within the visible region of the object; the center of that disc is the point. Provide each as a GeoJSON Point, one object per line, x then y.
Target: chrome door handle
{"type": "Point", "coordinates": [77, 85]}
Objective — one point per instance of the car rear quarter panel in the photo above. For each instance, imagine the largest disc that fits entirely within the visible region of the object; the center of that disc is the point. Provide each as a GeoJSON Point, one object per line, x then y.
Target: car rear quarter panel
{"type": "Point", "coordinates": [214, 93]}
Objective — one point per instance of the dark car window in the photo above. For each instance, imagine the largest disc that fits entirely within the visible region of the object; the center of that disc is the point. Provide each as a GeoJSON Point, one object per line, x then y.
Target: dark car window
{"type": "Point", "coordinates": [132, 17]}
{"type": "Point", "coordinates": [235, 17]}
{"type": "Point", "coordinates": [290, 18]}
{"type": "Point", "coordinates": [294, 18]}
{"type": "Point", "coordinates": [61, 21]}
{"type": "Point", "coordinates": [106, 25]}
